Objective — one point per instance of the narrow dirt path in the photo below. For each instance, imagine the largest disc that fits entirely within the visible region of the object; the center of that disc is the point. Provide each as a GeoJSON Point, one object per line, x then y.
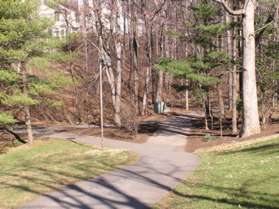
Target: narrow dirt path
{"type": "Point", "coordinates": [162, 165]}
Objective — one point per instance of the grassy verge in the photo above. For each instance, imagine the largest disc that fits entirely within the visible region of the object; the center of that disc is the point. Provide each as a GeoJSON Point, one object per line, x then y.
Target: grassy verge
{"type": "Point", "coordinates": [245, 177]}
{"type": "Point", "coordinates": [26, 172]}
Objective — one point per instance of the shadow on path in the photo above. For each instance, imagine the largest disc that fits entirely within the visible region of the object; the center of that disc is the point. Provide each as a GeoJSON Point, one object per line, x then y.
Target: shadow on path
{"type": "Point", "coordinates": [160, 168]}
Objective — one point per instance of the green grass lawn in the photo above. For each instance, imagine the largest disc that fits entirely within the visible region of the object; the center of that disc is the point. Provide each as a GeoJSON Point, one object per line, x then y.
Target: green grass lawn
{"type": "Point", "coordinates": [240, 178]}
{"type": "Point", "coordinates": [26, 172]}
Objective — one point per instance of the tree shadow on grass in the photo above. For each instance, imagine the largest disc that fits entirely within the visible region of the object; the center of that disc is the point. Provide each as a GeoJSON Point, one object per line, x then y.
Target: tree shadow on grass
{"type": "Point", "coordinates": [104, 192]}
{"type": "Point", "coordinates": [242, 196]}
{"type": "Point", "coordinates": [80, 195]}
{"type": "Point", "coordinates": [266, 149]}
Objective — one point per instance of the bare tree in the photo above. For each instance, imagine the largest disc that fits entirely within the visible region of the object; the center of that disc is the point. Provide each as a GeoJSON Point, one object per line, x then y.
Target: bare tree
{"type": "Point", "coordinates": [251, 124]}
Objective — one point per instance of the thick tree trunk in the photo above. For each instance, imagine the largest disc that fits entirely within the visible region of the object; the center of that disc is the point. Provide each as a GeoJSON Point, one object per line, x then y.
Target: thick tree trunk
{"type": "Point", "coordinates": [114, 74]}
{"type": "Point", "coordinates": [251, 123]}
{"type": "Point", "coordinates": [115, 81]}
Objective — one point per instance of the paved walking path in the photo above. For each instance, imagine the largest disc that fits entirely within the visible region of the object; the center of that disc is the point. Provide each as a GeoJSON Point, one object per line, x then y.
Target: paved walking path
{"type": "Point", "coordinates": [162, 165]}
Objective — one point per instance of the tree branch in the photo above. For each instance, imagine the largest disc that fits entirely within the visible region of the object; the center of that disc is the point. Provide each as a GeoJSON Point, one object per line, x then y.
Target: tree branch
{"type": "Point", "coordinates": [224, 3]}
{"type": "Point", "coordinates": [271, 19]}
{"type": "Point", "coordinates": [158, 10]}
{"type": "Point", "coordinates": [17, 137]}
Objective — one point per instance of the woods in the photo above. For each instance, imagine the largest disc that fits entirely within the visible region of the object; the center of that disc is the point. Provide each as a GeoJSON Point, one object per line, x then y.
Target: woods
{"type": "Point", "coordinates": [113, 103]}
{"type": "Point", "coordinates": [217, 55]}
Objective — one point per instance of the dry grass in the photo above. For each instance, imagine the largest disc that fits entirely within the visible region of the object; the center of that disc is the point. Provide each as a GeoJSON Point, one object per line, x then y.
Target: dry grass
{"type": "Point", "coordinates": [27, 172]}
{"type": "Point", "coordinates": [236, 144]}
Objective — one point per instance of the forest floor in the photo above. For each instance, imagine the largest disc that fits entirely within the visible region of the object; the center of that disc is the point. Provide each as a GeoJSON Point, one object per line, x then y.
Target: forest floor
{"type": "Point", "coordinates": [29, 171]}
{"type": "Point", "coordinates": [197, 136]}
{"type": "Point", "coordinates": [200, 138]}
{"type": "Point", "coordinates": [244, 175]}
{"type": "Point", "coordinates": [148, 125]}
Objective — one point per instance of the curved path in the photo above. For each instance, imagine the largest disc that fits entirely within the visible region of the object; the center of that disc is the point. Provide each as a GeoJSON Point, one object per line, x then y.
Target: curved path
{"type": "Point", "coordinates": [162, 165]}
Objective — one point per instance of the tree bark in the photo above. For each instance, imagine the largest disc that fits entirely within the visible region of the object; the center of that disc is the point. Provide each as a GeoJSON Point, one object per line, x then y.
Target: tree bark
{"type": "Point", "coordinates": [134, 54]}
{"type": "Point", "coordinates": [187, 96]}
{"type": "Point", "coordinates": [26, 107]}
{"type": "Point", "coordinates": [229, 51]}
{"type": "Point", "coordinates": [206, 110]}
{"type": "Point", "coordinates": [251, 123]}
{"type": "Point", "coordinates": [101, 99]}
{"type": "Point", "coordinates": [187, 99]}
{"type": "Point", "coordinates": [118, 80]}
{"type": "Point", "coordinates": [146, 90]}
{"type": "Point", "coordinates": [148, 71]}
{"type": "Point", "coordinates": [234, 86]}
{"type": "Point", "coordinates": [221, 108]}
{"type": "Point", "coordinates": [159, 86]}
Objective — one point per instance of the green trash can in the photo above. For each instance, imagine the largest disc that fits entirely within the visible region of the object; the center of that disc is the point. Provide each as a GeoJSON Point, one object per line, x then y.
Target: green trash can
{"type": "Point", "coordinates": [159, 107]}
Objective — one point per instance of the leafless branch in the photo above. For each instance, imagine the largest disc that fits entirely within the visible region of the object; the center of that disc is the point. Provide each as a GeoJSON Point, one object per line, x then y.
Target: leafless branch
{"type": "Point", "coordinates": [226, 6]}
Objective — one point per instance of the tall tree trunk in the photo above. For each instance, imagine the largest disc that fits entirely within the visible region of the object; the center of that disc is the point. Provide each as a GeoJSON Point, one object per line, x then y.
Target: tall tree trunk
{"type": "Point", "coordinates": [229, 51]}
{"type": "Point", "coordinates": [221, 108]}
{"type": "Point", "coordinates": [251, 123]}
{"type": "Point", "coordinates": [159, 86]}
{"type": "Point", "coordinates": [136, 83]}
{"type": "Point", "coordinates": [187, 96]}
{"type": "Point", "coordinates": [148, 71]}
{"type": "Point", "coordinates": [26, 107]}
{"type": "Point", "coordinates": [114, 74]}
{"type": "Point", "coordinates": [205, 115]}
{"type": "Point", "coordinates": [135, 54]}
{"type": "Point", "coordinates": [83, 26]}
{"type": "Point", "coordinates": [234, 85]}
{"type": "Point", "coordinates": [101, 95]}
{"type": "Point", "coordinates": [146, 90]}
{"type": "Point", "coordinates": [118, 80]}
{"type": "Point", "coordinates": [187, 83]}
{"type": "Point", "coordinates": [206, 109]}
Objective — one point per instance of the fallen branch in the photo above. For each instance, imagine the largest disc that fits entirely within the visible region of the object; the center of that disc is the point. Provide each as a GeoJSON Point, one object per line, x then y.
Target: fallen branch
{"type": "Point", "coordinates": [17, 137]}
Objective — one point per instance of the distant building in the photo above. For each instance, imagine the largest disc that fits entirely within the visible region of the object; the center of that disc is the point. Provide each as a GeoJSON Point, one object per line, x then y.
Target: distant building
{"type": "Point", "coordinates": [65, 17]}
